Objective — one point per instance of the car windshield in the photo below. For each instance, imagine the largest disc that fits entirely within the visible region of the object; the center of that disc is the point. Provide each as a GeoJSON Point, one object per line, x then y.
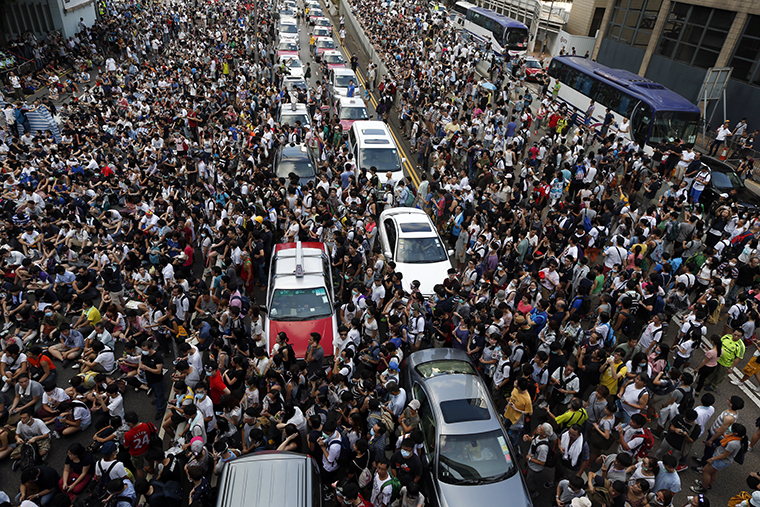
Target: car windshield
{"type": "Point", "coordinates": [301, 166]}
{"type": "Point", "coordinates": [292, 63]}
{"type": "Point", "coordinates": [420, 250]}
{"type": "Point", "coordinates": [353, 113]}
{"type": "Point", "coordinates": [287, 28]}
{"type": "Point", "coordinates": [333, 59]}
{"type": "Point", "coordinates": [287, 46]}
{"type": "Point", "coordinates": [325, 43]}
{"type": "Point", "coordinates": [385, 159]}
{"type": "Point", "coordinates": [726, 181]}
{"type": "Point", "coordinates": [672, 125]}
{"type": "Point", "coordinates": [323, 22]}
{"type": "Point", "coordinates": [342, 80]}
{"type": "Point", "coordinates": [291, 119]}
{"type": "Point", "coordinates": [300, 304]}
{"type": "Point", "coordinates": [444, 367]}
{"type": "Point", "coordinates": [533, 64]}
{"type": "Point", "coordinates": [315, 13]}
{"type": "Point", "coordinates": [474, 459]}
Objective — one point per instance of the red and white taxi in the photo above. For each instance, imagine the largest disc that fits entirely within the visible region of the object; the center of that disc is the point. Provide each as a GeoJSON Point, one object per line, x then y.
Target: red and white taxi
{"type": "Point", "coordinates": [323, 22]}
{"type": "Point", "coordinates": [350, 110]}
{"type": "Point", "coordinates": [288, 49]}
{"type": "Point", "coordinates": [300, 298]}
{"type": "Point", "coordinates": [334, 59]}
{"type": "Point", "coordinates": [323, 44]}
{"type": "Point", "coordinates": [533, 69]}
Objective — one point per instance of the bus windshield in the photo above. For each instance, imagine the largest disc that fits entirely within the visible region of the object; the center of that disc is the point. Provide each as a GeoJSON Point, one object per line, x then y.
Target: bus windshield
{"type": "Point", "coordinates": [672, 125]}
{"type": "Point", "coordinates": [516, 38]}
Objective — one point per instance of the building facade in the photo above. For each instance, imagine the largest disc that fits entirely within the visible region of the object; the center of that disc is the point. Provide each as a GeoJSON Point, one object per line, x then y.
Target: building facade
{"type": "Point", "coordinates": [675, 42]}
{"type": "Point", "coordinates": [43, 16]}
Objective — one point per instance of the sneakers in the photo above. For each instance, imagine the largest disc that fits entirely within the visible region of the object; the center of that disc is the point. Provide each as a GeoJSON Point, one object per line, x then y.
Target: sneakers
{"type": "Point", "coordinates": [700, 489]}
{"type": "Point", "coordinates": [7, 325]}
{"type": "Point", "coordinates": [681, 468]}
{"type": "Point", "coordinates": [6, 386]}
{"type": "Point", "coordinates": [55, 435]}
{"type": "Point", "coordinates": [698, 469]}
{"type": "Point", "coordinates": [737, 382]}
{"type": "Point", "coordinates": [750, 449]}
{"type": "Point", "coordinates": [16, 464]}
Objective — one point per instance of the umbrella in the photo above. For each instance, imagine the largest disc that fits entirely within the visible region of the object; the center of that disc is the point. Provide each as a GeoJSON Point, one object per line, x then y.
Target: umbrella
{"type": "Point", "coordinates": [488, 86]}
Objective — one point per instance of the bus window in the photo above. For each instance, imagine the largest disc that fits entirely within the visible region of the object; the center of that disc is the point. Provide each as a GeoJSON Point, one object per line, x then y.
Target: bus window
{"type": "Point", "coordinates": [585, 82]}
{"type": "Point", "coordinates": [498, 34]}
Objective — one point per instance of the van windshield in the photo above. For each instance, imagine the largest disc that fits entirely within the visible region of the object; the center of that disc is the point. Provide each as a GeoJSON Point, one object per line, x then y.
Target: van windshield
{"type": "Point", "coordinates": [385, 159]}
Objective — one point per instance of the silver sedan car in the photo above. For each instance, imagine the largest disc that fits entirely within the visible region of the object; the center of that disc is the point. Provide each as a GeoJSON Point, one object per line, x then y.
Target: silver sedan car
{"type": "Point", "coordinates": [471, 460]}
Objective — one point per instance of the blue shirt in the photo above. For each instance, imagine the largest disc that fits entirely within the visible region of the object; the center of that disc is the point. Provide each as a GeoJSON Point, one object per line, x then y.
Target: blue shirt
{"type": "Point", "coordinates": [74, 340]}
{"type": "Point", "coordinates": [666, 480]}
{"type": "Point", "coordinates": [350, 90]}
{"type": "Point", "coordinates": [511, 127]}
{"type": "Point", "coordinates": [204, 336]}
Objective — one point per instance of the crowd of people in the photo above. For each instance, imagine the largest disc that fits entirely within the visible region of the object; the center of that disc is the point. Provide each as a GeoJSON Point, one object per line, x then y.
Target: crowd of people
{"type": "Point", "coordinates": [135, 250]}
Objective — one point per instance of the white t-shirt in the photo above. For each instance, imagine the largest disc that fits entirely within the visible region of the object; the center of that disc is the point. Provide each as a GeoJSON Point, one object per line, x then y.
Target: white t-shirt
{"type": "Point", "coordinates": [106, 359]}
{"type": "Point", "coordinates": [117, 472]}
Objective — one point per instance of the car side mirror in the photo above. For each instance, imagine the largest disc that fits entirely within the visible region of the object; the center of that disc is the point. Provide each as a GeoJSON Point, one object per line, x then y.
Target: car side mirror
{"type": "Point", "coordinates": [451, 253]}
{"type": "Point", "coordinates": [403, 161]}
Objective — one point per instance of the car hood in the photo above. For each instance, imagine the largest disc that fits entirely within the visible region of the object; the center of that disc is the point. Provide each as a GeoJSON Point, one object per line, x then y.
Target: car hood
{"type": "Point", "coordinates": [336, 65]}
{"type": "Point", "coordinates": [299, 332]}
{"type": "Point", "coordinates": [486, 494]}
{"type": "Point", "coordinates": [287, 54]}
{"type": "Point", "coordinates": [428, 274]}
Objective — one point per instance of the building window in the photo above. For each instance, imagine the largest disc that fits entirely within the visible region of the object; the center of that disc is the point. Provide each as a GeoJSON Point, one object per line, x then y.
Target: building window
{"type": "Point", "coordinates": [632, 21]}
{"type": "Point", "coordinates": [694, 34]}
{"type": "Point", "coordinates": [746, 57]}
{"type": "Point", "coordinates": [596, 22]}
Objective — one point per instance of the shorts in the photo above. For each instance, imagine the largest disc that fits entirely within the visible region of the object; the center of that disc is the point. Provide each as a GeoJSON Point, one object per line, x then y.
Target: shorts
{"type": "Point", "coordinates": [138, 461]}
{"type": "Point", "coordinates": [720, 464]}
{"type": "Point", "coordinates": [116, 295]}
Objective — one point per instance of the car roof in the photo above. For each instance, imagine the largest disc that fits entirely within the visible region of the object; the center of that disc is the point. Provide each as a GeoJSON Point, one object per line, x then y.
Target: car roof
{"type": "Point", "coordinates": [285, 266]}
{"type": "Point", "coordinates": [295, 150]}
{"type": "Point", "coordinates": [365, 126]}
{"type": "Point", "coordinates": [717, 165]}
{"type": "Point", "coordinates": [331, 52]}
{"type": "Point", "coordinates": [286, 109]}
{"type": "Point", "coordinates": [288, 20]}
{"type": "Point", "coordinates": [351, 102]}
{"type": "Point", "coordinates": [343, 70]}
{"type": "Point", "coordinates": [257, 480]}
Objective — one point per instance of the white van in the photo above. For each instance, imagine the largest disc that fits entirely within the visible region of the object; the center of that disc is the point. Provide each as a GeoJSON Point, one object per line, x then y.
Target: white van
{"type": "Point", "coordinates": [372, 144]}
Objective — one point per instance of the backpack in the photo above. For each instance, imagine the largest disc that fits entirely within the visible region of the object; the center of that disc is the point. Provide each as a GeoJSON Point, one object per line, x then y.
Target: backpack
{"type": "Point", "coordinates": [587, 224]}
{"type": "Point", "coordinates": [672, 231]}
{"type": "Point", "coordinates": [551, 454]}
{"type": "Point", "coordinates": [580, 172]}
{"type": "Point", "coordinates": [585, 305]}
{"type": "Point", "coordinates": [409, 198]}
{"type": "Point", "coordinates": [245, 304]}
{"type": "Point", "coordinates": [646, 446]}
{"type": "Point", "coordinates": [601, 237]}
{"type": "Point", "coordinates": [687, 401]}
{"type": "Point", "coordinates": [739, 320]}
{"type": "Point", "coordinates": [29, 455]}
{"type": "Point", "coordinates": [345, 449]}
{"type": "Point", "coordinates": [610, 340]}
{"type": "Point", "coordinates": [395, 487]}
{"type": "Point", "coordinates": [739, 458]}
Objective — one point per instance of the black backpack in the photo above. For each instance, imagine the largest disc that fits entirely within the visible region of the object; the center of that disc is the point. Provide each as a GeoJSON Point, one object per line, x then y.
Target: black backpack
{"type": "Point", "coordinates": [551, 453]}
{"type": "Point", "coordinates": [687, 401]}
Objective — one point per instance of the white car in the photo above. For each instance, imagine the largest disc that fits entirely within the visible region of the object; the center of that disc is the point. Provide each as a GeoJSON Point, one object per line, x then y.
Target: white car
{"type": "Point", "coordinates": [409, 238]}
{"type": "Point", "coordinates": [288, 29]}
{"type": "Point", "coordinates": [339, 80]}
{"type": "Point", "coordinates": [293, 65]}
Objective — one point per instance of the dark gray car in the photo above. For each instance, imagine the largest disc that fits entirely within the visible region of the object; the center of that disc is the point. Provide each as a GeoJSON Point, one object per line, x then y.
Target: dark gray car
{"type": "Point", "coordinates": [471, 461]}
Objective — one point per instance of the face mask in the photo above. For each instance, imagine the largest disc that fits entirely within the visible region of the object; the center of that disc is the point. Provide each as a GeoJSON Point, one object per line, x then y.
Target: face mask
{"type": "Point", "coordinates": [145, 352]}
{"type": "Point", "coordinates": [48, 314]}
{"type": "Point", "coordinates": [355, 293]}
{"type": "Point", "coordinates": [372, 432]}
{"type": "Point", "coordinates": [405, 453]}
{"type": "Point", "coordinates": [209, 373]}
{"type": "Point", "coordinates": [200, 396]}
{"type": "Point", "coordinates": [642, 364]}
{"type": "Point", "coordinates": [325, 437]}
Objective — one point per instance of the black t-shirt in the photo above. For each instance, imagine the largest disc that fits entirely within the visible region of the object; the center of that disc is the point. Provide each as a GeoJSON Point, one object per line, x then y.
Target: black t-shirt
{"type": "Point", "coordinates": [676, 440]}
{"type": "Point", "coordinates": [48, 478]}
{"type": "Point", "coordinates": [87, 460]}
{"type": "Point", "coordinates": [111, 283]}
{"type": "Point", "coordinates": [152, 361]}
{"type": "Point", "coordinates": [406, 468]}
{"type": "Point", "coordinates": [747, 275]}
